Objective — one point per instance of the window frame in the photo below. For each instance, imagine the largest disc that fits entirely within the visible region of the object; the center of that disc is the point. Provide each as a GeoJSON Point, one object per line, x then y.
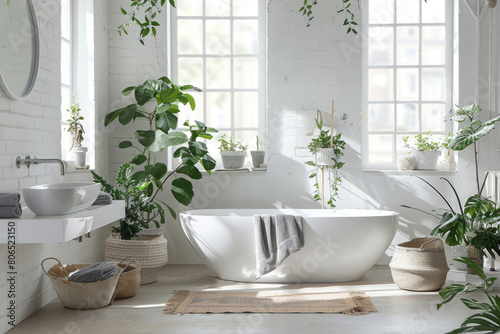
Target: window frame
{"type": "Point", "coordinates": [262, 68]}
{"type": "Point", "coordinates": [450, 59]}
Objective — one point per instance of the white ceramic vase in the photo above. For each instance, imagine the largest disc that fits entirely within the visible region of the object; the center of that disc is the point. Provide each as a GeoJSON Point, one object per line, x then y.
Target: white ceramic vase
{"type": "Point", "coordinates": [233, 160]}
{"type": "Point", "coordinates": [324, 157]}
{"type": "Point", "coordinates": [427, 159]}
{"type": "Point", "coordinates": [78, 155]}
{"type": "Point", "coordinates": [257, 158]}
{"type": "Point", "coordinates": [459, 251]}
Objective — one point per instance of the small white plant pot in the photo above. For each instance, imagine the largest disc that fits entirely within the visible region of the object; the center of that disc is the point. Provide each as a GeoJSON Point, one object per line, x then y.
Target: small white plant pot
{"type": "Point", "coordinates": [324, 157]}
{"type": "Point", "coordinates": [257, 158]}
{"type": "Point", "coordinates": [233, 160]}
{"type": "Point", "coordinates": [459, 251]}
{"type": "Point", "coordinates": [78, 155]}
{"type": "Point", "coordinates": [427, 159]}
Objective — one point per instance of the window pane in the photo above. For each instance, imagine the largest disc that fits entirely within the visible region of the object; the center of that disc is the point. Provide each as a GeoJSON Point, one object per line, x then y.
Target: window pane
{"type": "Point", "coordinates": [380, 149]}
{"type": "Point", "coordinates": [381, 117]}
{"type": "Point", "coordinates": [433, 11]}
{"type": "Point", "coordinates": [407, 11]}
{"type": "Point", "coordinates": [381, 11]}
{"type": "Point", "coordinates": [246, 73]}
{"type": "Point", "coordinates": [433, 45]}
{"type": "Point", "coordinates": [407, 115]}
{"type": "Point", "coordinates": [65, 101]}
{"type": "Point", "coordinates": [217, 37]}
{"type": "Point", "coordinates": [245, 8]}
{"type": "Point", "coordinates": [190, 71]}
{"type": "Point", "coordinates": [433, 117]}
{"type": "Point", "coordinates": [433, 84]}
{"type": "Point", "coordinates": [189, 7]}
{"type": "Point", "coordinates": [65, 19]}
{"type": "Point", "coordinates": [407, 84]}
{"type": "Point", "coordinates": [380, 85]}
{"type": "Point", "coordinates": [217, 7]}
{"type": "Point", "coordinates": [249, 138]}
{"type": "Point", "coordinates": [246, 109]}
{"type": "Point", "coordinates": [193, 115]}
{"type": "Point", "coordinates": [407, 45]}
{"type": "Point", "coordinates": [381, 46]}
{"type": "Point", "coordinates": [218, 72]}
{"type": "Point", "coordinates": [65, 63]}
{"type": "Point", "coordinates": [219, 110]}
{"type": "Point", "coordinates": [246, 38]}
{"type": "Point", "coordinates": [189, 38]}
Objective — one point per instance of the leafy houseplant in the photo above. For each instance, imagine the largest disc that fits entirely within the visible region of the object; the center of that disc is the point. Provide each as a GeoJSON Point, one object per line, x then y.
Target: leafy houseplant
{"type": "Point", "coordinates": [159, 134]}
{"type": "Point", "coordinates": [232, 152]}
{"type": "Point", "coordinates": [257, 156]}
{"type": "Point", "coordinates": [488, 319]}
{"type": "Point", "coordinates": [426, 150]}
{"type": "Point", "coordinates": [328, 150]}
{"type": "Point", "coordinates": [473, 224]}
{"type": "Point", "coordinates": [77, 151]}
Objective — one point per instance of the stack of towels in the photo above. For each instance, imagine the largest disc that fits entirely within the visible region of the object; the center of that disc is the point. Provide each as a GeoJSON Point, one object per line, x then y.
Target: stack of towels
{"type": "Point", "coordinates": [103, 199]}
{"type": "Point", "coordinates": [10, 206]}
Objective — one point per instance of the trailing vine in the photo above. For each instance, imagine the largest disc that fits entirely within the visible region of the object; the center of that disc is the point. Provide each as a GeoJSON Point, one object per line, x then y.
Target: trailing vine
{"type": "Point", "coordinates": [307, 11]}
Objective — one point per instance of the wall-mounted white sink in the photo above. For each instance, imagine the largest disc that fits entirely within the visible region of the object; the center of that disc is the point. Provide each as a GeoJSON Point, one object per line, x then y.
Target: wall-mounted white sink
{"type": "Point", "coordinates": [60, 198]}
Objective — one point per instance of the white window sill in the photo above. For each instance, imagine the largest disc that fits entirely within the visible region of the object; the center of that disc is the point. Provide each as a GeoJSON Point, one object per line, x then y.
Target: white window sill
{"type": "Point", "coordinates": [411, 172]}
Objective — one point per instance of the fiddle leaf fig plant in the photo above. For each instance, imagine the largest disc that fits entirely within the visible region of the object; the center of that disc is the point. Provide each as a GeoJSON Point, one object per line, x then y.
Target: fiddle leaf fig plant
{"type": "Point", "coordinates": [159, 133]}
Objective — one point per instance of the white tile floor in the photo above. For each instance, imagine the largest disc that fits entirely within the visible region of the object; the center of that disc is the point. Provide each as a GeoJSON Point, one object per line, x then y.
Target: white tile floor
{"type": "Point", "coordinates": [398, 311]}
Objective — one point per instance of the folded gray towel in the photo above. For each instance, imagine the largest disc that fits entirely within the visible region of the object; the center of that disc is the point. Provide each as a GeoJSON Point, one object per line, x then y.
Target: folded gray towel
{"type": "Point", "coordinates": [276, 237]}
{"type": "Point", "coordinates": [9, 199]}
{"type": "Point", "coordinates": [97, 272]}
{"type": "Point", "coordinates": [103, 199]}
{"type": "Point", "coordinates": [11, 211]}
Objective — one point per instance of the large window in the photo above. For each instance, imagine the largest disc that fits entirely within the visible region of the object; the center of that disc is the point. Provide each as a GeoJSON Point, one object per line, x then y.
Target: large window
{"type": "Point", "coordinates": [219, 46]}
{"type": "Point", "coordinates": [407, 75]}
{"type": "Point", "coordinates": [66, 71]}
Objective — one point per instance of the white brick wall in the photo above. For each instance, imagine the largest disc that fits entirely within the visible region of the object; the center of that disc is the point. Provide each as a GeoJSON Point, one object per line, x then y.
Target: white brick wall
{"type": "Point", "coordinates": [32, 126]}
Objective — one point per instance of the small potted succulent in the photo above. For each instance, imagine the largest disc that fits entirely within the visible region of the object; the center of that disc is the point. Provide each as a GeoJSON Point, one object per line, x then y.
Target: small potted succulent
{"type": "Point", "coordinates": [426, 150]}
{"type": "Point", "coordinates": [232, 152]}
{"type": "Point", "coordinates": [257, 156]}
{"type": "Point", "coordinates": [77, 152]}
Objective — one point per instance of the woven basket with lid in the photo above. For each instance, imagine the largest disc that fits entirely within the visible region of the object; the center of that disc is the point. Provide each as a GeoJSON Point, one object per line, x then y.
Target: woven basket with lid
{"type": "Point", "coordinates": [419, 265]}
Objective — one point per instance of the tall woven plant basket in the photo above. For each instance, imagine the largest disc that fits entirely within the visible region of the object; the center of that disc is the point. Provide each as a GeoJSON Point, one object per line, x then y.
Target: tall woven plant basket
{"type": "Point", "coordinates": [419, 265]}
{"type": "Point", "coordinates": [149, 251]}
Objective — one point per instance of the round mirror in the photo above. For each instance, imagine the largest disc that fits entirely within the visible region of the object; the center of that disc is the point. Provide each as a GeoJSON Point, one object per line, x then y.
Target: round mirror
{"type": "Point", "coordinates": [19, 48]}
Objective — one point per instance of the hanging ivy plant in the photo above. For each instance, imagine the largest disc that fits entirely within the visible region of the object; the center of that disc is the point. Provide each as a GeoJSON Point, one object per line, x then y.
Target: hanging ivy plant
{"type": "Point", "coordinates": [307, 11]}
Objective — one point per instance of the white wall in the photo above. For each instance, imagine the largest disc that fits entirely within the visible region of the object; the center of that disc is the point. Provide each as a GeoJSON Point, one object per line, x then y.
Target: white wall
{"type": "Point", "coordinates": [307, 68]}
{"type": "Point", "coordinates": [32, 126]}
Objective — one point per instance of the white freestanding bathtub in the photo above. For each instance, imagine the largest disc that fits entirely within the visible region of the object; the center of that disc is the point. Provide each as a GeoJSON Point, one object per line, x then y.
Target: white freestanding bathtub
{"type": "Point", "coordinates": [339, 245]}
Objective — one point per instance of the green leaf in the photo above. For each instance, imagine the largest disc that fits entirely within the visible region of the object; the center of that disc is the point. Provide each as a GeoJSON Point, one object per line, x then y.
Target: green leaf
{"type": "Point", "coordinates": [125, 144]}
{"type": "Point", "coordinates": [190, 171]}
{"type": "Point", "coordinates": [114, 114]}
{"type": "Point", "coordinates": [182, 190]}
{"type": "Point", "coordinates": [452, 226]}
{"type": "Point", "coordinates": [144, 94]}
{"type": "Point", "coordinates": [128, 90]}
{"type": "Point", "coordinates": [172, 120]}
{"type": "Point", "coordinates": [198, 149]}
{"type": "Point", "coordinates": [208, 163]}
{"type": "Point", "coordinates": [124, 12]}
{"type": "Point", "coordinates": [467, 136]}
{"type": "Point", "coordinates": [172, 3]}
{"type": "Point", "coordinates": [161, 122]}
{"type": "Point", "coordinates": [145, 137]}
{"type": "Point", "coordinates": [192, 102]}
{"type": "Point", "coordinates": [164, 140]}
{"type": "Point", "coordinates": [127, 114]}
{"type": "Point", "coordinates": [158, 170]}
{"type": "Point", "coordinates": [139, 159]}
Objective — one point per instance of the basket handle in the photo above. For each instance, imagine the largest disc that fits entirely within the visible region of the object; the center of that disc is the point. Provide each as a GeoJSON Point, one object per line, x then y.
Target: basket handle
{"type": "Point", "coordinates": [432, 240]}
{"type": "Point", "coordinates": [129, 262]}
{"type": "Point", "coordinates": [116, 286]}
{"type": "Point", "coordinates": [49, 258]}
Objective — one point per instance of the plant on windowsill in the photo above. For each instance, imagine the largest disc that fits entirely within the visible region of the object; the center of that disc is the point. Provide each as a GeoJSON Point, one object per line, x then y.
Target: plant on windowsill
{"type": "Point", "coordinates": [426, 150]}
{"type": "Point", "coordinates": [473, 225]}
{"type": "Point", "coordinates": [488, 318]}
{"type": "Point", "coordinates": [77, 152]}
{"type": "Point", "coordinates": [232, 152]}
{"type": "Point", "coordinates": [257, 156]}
{"type": "Point", "coordinates": [328, 150]}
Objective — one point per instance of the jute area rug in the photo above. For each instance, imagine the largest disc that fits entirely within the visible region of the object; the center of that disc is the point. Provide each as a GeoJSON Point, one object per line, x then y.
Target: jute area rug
{"type": "Point", "coordinates": [350, 303]}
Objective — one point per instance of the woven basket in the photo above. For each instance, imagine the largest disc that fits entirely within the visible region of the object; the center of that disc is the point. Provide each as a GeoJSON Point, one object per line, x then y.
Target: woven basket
{"type": "Point", "coordinates": [80, 296]}
{"type": "Point", "coordinates": [419, 265]}
{"type": "Point", "coordinates": [149, 251]}
{"type": "Point", "coordinates": [129, 281]}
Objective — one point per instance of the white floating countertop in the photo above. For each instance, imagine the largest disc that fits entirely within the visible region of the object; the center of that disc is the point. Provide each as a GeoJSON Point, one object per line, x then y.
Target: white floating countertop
{"type": "Point", "coordinates": [33, 229]}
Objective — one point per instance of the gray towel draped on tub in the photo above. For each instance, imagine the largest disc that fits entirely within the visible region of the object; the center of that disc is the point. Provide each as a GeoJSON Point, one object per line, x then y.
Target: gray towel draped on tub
{"type": "Point", "coordinates": [276, 237]}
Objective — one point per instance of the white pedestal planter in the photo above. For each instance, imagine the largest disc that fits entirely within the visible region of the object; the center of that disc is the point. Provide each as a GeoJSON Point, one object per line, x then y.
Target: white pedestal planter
{"type": "Point", "coordinates": [233, 160]}
{"type": "Point", "coordinates": [427, 159]}
{"type": "Point", "coordinates": [78, 154]}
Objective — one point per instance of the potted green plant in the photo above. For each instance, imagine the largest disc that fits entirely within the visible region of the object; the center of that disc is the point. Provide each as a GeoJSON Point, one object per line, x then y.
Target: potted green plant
{"type": "Point", "coordinates": [257, 156]}
{"type": "Point", "coordinates": [426, 150]}
{"type": "Point", "coordinates": [232, 152]}
{"type": "Point", "coordinates": [474, 223]}
{"type": "Point", "coordinates": [140, 208]}
{"type": "Point", "coordinates": [328, 150]}
{"type": "Point", "coordinates": [77, 152]}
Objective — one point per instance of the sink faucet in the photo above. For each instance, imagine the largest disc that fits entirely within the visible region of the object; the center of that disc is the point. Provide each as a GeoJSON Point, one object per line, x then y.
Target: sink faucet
{"type": "Point", "coordinates": [35, 161]}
